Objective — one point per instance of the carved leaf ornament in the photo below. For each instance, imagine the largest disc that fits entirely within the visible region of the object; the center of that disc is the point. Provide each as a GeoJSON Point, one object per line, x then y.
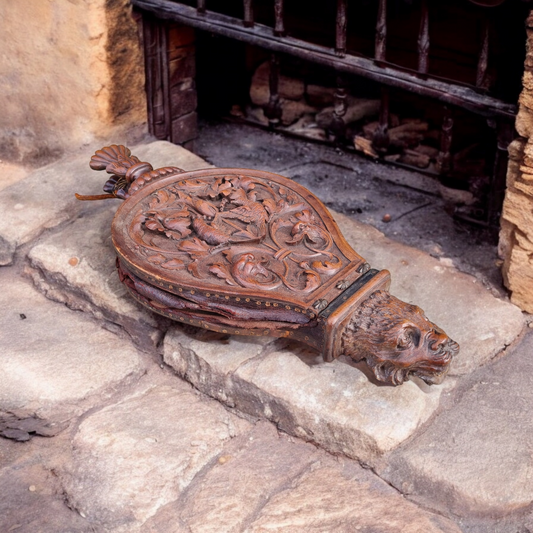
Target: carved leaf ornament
{"type": "Point", "coordinates": [236, 230]}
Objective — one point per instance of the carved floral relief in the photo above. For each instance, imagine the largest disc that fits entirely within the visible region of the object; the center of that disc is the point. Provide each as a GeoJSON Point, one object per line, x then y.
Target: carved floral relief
{"type": "Point", "coordinates": [249, 232]}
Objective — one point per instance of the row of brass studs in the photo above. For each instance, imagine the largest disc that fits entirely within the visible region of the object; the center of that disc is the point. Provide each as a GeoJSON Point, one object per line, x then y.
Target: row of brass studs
{"type": "Point", "coordinates": [208, 326]}
{"type": "Point", "coordinates": [218, 329]}
{"type": "Point", "coordinates": [211, 327]}
{"type": "Point", "coordinates": [237, 298]}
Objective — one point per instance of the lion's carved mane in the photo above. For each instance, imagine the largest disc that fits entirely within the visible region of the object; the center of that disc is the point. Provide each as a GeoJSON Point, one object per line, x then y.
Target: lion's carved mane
{"type": "Point", "coordinates": [397, 341]}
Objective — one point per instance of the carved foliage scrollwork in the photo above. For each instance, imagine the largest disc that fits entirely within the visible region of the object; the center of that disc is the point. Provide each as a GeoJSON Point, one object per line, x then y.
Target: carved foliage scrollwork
{"type": "Point", "coordinates": [248, 232]}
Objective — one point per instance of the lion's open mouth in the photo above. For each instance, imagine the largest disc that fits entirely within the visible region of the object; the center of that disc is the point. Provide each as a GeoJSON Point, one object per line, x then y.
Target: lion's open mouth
{"type": "Point", "coordinates": [435, 370]}
{"type": "Point", "coordinates": [431, 370]}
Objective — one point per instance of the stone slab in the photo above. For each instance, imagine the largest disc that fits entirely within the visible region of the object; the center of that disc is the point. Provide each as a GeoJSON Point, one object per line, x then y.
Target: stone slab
{"type": "Point", "coordinates": [250, 470]}
{"type": "Point", "coordinates": [133, 457]}
{"type": "Point", "coordinates": [476, 459]}
{"type": "Point", "coordinates": [77, 266]}
{"type": "Point", "coordinates": [482, 324]}
{"type": "Point", "coordinates": [55, 363]}
{"type": "Point", "coordinates": [266, 482]}
{"type": "Point", "coordinates": [344, 498]}
{"type": "Point", "coordinates": [45, 198]}
{"type": "Point", "coordinates": [331, 404]}
{"type": "Point", "coordinates": [11, 173]}
{"type": "Point", "coordinates": [32, 501]}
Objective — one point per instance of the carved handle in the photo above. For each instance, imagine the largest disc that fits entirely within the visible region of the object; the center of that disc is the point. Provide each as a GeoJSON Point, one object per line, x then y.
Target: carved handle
{"type": "Point", "coordinates": [118, 160]}
{"type": "Point", "coordinates": [125, 170]}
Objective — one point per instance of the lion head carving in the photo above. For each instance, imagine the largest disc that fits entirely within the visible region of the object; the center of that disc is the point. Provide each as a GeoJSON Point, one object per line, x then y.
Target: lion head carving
{"type": "Point", "coordinates": [398, 341]}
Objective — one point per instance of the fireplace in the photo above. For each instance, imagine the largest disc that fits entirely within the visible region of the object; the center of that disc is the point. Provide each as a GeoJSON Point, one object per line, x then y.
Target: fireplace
{"type": "Point", "coordinates": [427, 85]}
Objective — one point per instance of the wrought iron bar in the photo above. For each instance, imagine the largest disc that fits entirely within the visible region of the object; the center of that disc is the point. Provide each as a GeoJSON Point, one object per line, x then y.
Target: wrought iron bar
{"type": "Point", "coordinates": [381, 32]}
{"type": "Point", "coordinates": [200, 6]}
{"type": "Point", "coordinates": [483, 60]}
{"type": "Point", "coordinates": [248, 14]}
{"type": "Point", "coordinates": [380, 139]}
{"type": "Point", "coordinates": [444, 159]}
{"type": "Point", "coordinates": [273, 110]}
{"type": "Point", "coordinates": [279, 26]}
{"type": "Point", "coordinates": [443, 91]}
{"type": "Point", "coordinates": [423, 39]}
{"type": "Point", "coordinates": [340, 31]}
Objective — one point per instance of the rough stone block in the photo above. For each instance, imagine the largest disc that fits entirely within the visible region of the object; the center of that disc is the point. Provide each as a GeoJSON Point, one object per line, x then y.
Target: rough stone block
{"type": "Point", "coordinates": [331, 404]}
{"type": "Point", "coordinates": [55, 363]}
{"type": "Point", "coordinates": [476, 459]}
{"type": "Point", "coordinates": [344, 498]}
{"type": "Point", "coordinates": [32, 501]}
{"type": "Point", "coordinates": [133, 457]}
{"type": "Point", "coordinates": [73, 72]}
{"type": "Point", "coordinates": [194, 354]}
{"type": "Point", "coordinates": [518, 270]}
{"type": "Point", "coordinates": [77, 266]}
{"type": "Point", "coordinates": [11, 173]}
{"type": "Point", "coordinates": [247, 474]}
{"type": "Point", "coordinates": [272, 484]}
{"type": "Point", "coordinates": [482, 324]}
{"type": "Point", "coordinates": [524, 120]}
{"type": "Point", "coordinates": [46, 198]}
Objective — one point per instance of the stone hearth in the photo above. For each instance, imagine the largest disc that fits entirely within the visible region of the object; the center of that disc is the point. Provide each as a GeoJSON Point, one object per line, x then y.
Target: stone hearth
{"type": "Point", "coordinates": [132, 447]}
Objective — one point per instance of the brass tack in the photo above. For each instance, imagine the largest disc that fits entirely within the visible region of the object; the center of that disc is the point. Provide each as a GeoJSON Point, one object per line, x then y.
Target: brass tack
{"type": "Point", "coordinates": [237, 299]}
{"type": "Point", "coordinates": [192, 292]}
{"type": "Point", "coordinates": [258, 302]}
{"type": "Point", "coordinates": [208, 294]}
{"type": "Point", "coordinates": [247, 299]}
{"type": "Point", "coordinates": [224, 331]}
{"type": "Point", "coordinates": [275, 305]}
{"type": "Point", "coordinates": [227, 297]}
{"type": "Point", "coordinates": [287, 307]}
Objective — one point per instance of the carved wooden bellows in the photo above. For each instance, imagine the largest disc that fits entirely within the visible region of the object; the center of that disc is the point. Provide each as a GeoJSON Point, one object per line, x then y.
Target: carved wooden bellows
{"type": "Point", "coordinates": [247, 252]}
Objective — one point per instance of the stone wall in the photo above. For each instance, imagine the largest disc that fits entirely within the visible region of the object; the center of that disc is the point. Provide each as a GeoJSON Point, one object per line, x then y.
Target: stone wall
{"type": "Point", "coordinates": [71, 73]}
{"type": "Point", "coordinates": [516, 236]}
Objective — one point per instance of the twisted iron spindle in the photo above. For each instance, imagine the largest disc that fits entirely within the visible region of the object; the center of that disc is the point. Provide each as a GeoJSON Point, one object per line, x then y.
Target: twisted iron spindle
{"type": "Point", "coordinates": [273, 110]}
{"type": "Point", "coordinates": [340, 32]}
{"type": "Point", "coordinates": [381, 32]}
{"type": "Point", "coordinates": [444, 159]}
{"type": "Point", "coordinates": [423, 40]}
{"type": "Point", "coordinates": [248, 14]}
{"type": "Point", "coordinates": [279, 26]}
{"type": "Point", "coordinates": [483, 60]}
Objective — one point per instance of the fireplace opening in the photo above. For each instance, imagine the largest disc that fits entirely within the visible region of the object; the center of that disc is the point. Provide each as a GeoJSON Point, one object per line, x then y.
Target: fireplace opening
{"type": "Point", "coordinates": [412, 86]}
